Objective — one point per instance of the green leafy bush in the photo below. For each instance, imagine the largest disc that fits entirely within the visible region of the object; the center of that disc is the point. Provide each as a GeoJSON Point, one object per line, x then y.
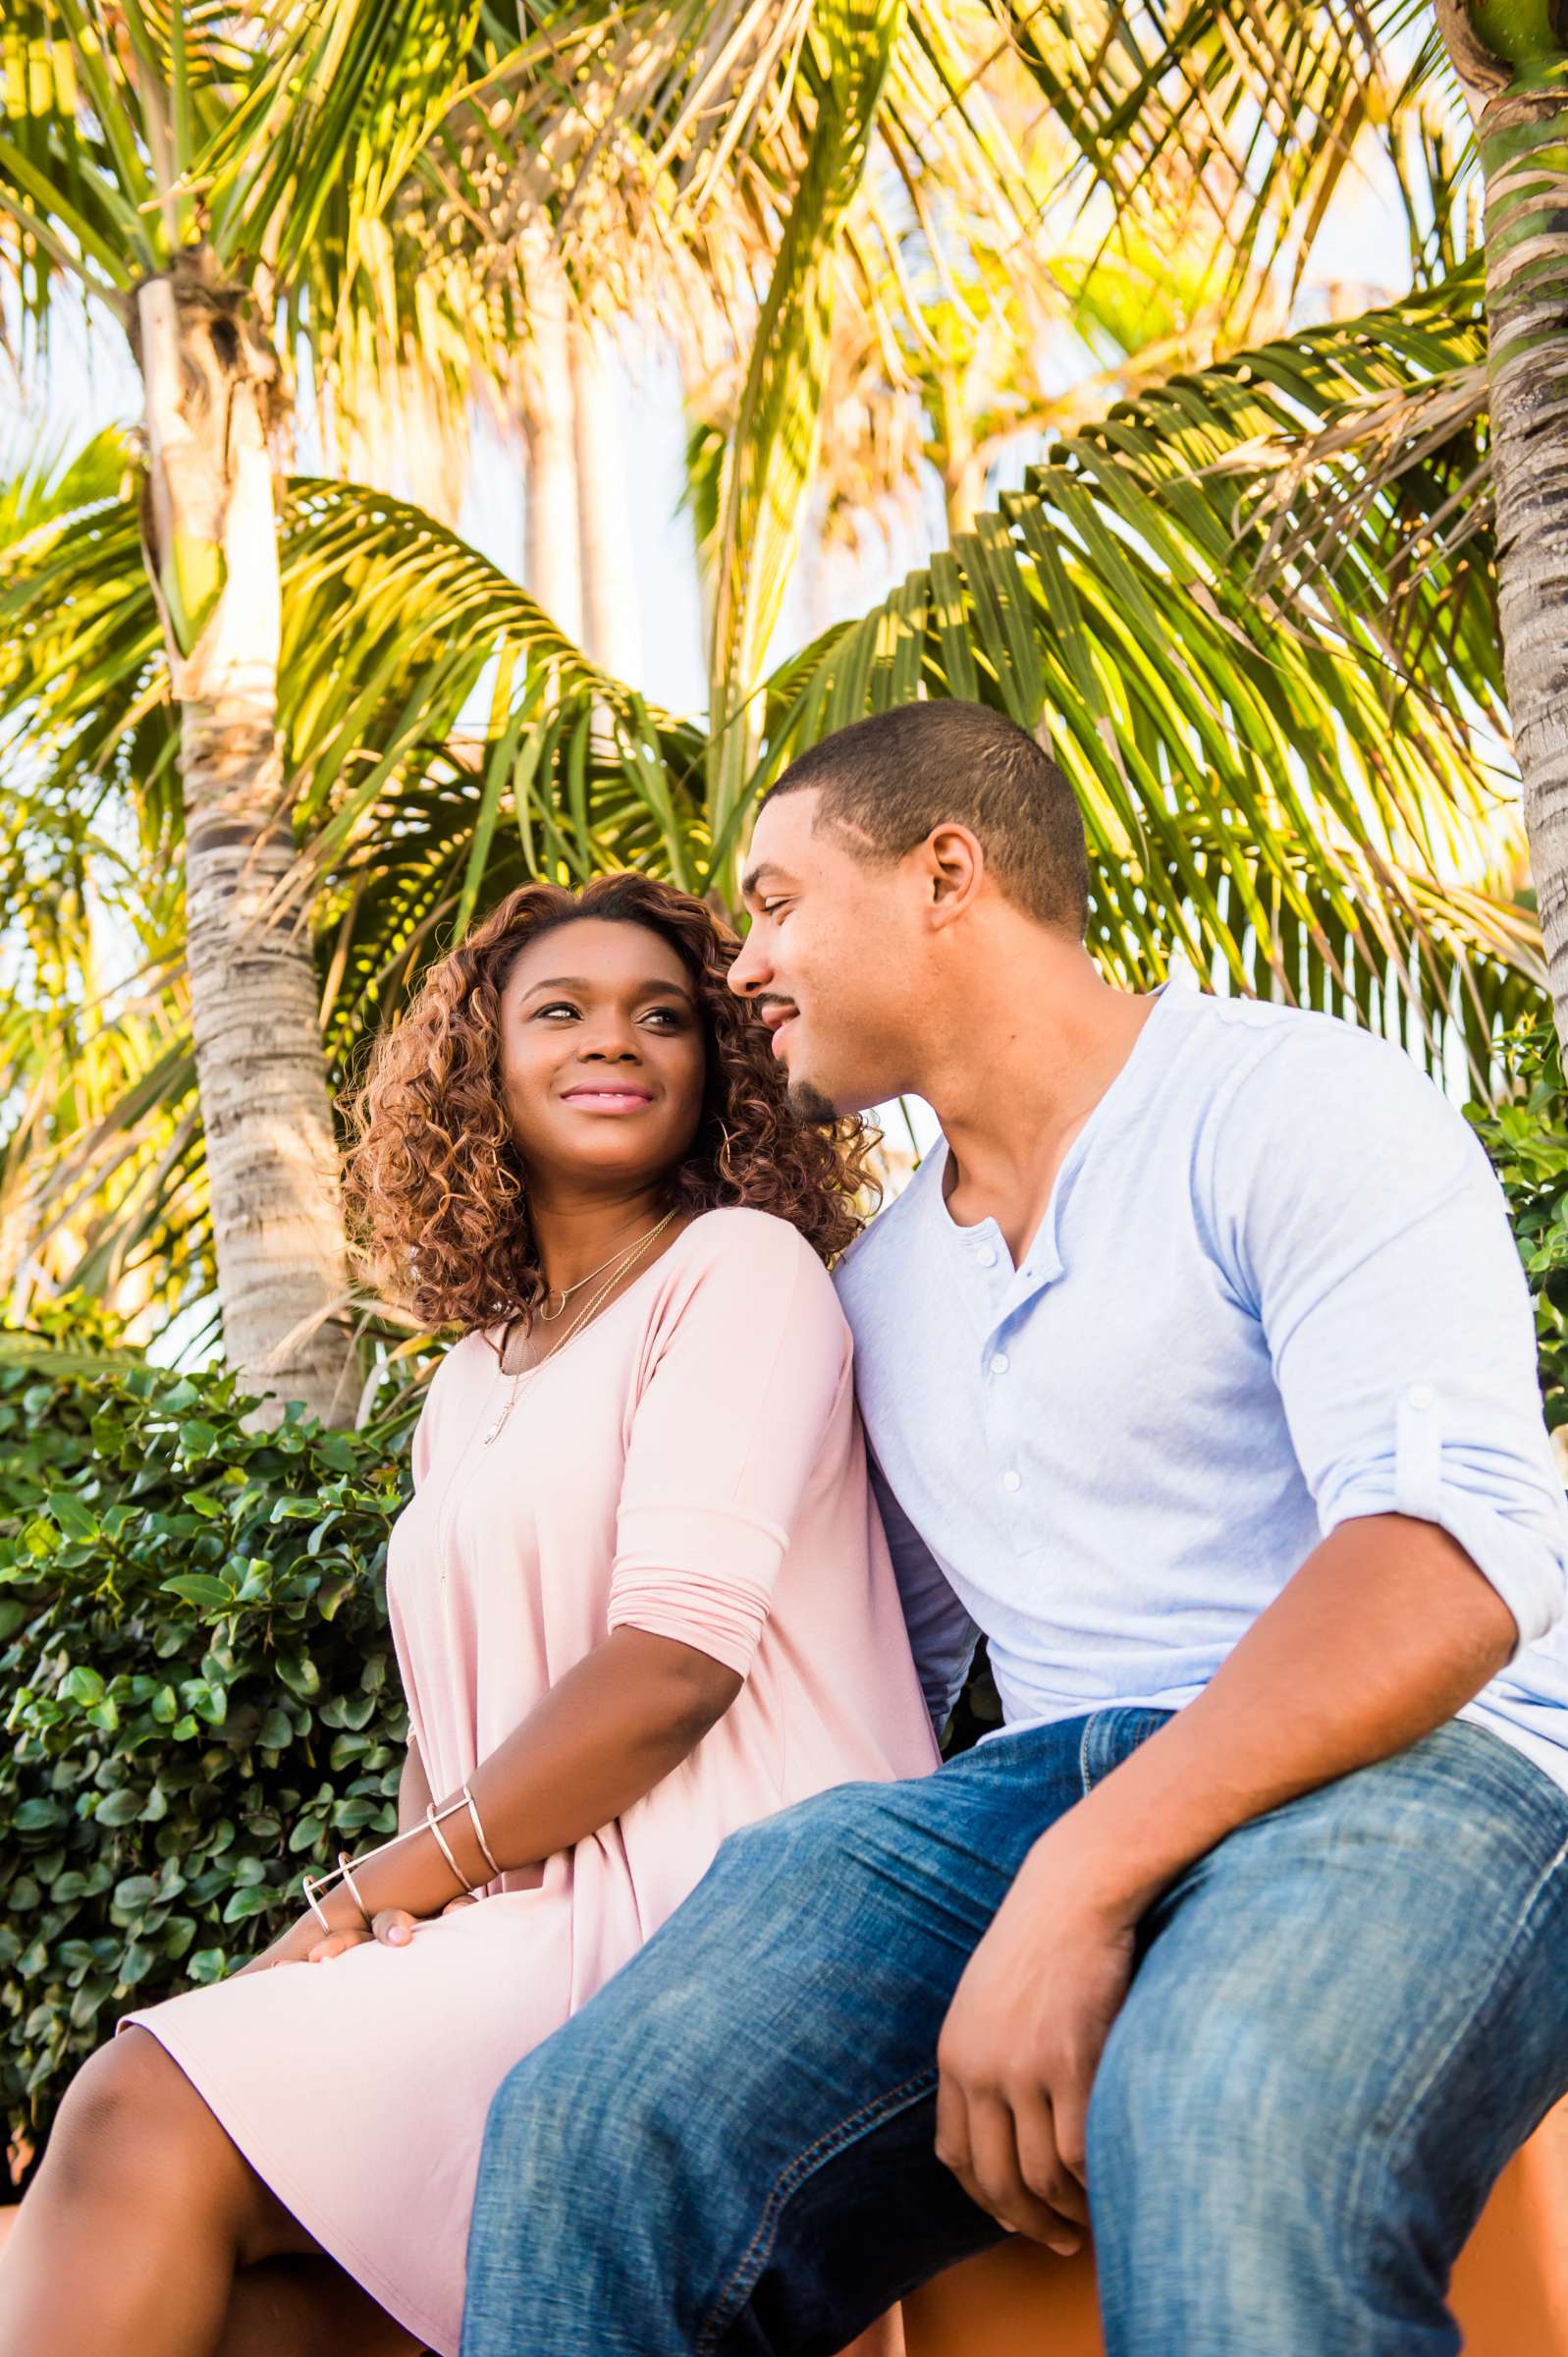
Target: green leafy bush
{"type": "Point", "coordinates": [200, 1693]}
{"type": "Point", "coordinates": [1528, 1142]}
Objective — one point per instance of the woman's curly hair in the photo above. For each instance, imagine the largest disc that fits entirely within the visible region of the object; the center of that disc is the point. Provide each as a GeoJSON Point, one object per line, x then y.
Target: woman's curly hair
{"type": "Point", "coordinates": [437, 1207]}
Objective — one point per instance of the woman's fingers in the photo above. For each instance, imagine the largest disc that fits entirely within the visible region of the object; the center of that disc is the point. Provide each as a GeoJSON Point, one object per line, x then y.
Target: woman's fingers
{"type": "Point", "coordinates": [336, 1943]}
{"type": "Point", "coordinates": [394, 1925]}
{"type": "Point", "coordinates": [452, 1905]}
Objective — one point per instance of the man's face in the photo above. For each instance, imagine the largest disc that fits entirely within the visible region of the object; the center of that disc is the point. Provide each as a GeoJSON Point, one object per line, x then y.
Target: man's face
{"type": "Point", "coordinates": [832, 960]}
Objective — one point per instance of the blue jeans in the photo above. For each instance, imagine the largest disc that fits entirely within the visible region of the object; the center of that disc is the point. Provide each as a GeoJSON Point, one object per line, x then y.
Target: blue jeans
{"type": "Point", "coordinates": [1342, 2022]}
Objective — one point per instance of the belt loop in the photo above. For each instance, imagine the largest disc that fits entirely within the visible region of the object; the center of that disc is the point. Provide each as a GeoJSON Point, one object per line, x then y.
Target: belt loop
{"type": "Point", "coordinates": [1085, 1774]}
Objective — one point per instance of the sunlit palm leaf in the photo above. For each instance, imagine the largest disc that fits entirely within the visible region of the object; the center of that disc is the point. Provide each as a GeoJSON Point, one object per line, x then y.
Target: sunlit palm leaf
{"type": "Point", "coordinates": [281, 136]}
{"type": "Point", "coordinates": [1271, 782]}
{"type": "Point", "coordinates": [1282, 762]}
{"type": "Point", "coordinates": [774, 452]}
{"type": "Point", "coordinates": [1242, 115]}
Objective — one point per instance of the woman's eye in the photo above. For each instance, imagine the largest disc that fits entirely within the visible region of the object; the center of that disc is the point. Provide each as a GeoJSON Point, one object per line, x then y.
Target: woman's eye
{"type": "Point", "coordinates": [666, 1015]}
{"type": "Point", "coordinates": [560, 1007]}
{"type": "Point", "coordinates": [775, 910]}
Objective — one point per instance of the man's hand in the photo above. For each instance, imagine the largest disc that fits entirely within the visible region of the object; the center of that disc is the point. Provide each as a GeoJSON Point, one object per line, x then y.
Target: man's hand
{"type": "Point", "coordinates": [1019, 2050]}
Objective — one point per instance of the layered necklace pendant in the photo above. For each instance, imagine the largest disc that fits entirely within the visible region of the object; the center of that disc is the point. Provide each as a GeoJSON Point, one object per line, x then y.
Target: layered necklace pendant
{"type": "Point", "coordinates": [620, 1265]}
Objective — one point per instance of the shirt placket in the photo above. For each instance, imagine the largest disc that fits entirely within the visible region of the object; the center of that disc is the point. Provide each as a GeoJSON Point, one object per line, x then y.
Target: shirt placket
{"type": "Point", "coordinates": [1003, 1295]}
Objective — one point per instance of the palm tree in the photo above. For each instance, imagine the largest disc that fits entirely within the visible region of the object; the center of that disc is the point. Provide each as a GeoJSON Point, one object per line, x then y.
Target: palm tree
{"type": "Point", "coordinates": [210, 190]}
{"type": "Point", "coordinates": [1263, 101]}
{"type": "Point", "coordinates": [1514, 65]}
{"type": "Point", "coordinates": [1281, 781]}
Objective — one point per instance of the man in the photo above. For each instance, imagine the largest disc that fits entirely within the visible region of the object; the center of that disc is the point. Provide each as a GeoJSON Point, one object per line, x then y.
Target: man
{"type": "Point", "coordinates": [1198, 1370]}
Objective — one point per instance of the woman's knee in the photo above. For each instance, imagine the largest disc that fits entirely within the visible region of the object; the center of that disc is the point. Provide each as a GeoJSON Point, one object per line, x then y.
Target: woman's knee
{"type": "Point", "coordinates": [132, 2117]}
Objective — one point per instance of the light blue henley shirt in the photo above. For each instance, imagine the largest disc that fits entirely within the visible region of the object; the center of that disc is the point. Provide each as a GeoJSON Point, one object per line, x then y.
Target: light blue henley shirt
{"type": "Point", "coordinates": [1274, 1288]}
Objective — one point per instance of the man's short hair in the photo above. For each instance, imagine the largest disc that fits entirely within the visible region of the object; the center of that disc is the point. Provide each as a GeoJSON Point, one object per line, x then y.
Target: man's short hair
{"type": "Point", "coordinates": [893, 778]}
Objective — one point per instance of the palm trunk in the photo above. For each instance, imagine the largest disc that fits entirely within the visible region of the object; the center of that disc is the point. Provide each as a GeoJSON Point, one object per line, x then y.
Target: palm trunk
{"type": "Point", "coordinates": [612, 624]}
{"type": "Point", "coordinates": [554, 564]}
{"type": "Point", "coordinates": [272, 1162]}
{"type": "Point", "coordinates": [963, 488]}
{"type": "Point", "coordinates": [1521, 107]}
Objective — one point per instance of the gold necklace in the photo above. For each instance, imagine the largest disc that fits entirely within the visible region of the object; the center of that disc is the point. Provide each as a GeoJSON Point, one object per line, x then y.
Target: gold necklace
{"type": "Point", "coordinates": [622, 1252]}
{"type": "Point", "coordinates": [526, 1374]}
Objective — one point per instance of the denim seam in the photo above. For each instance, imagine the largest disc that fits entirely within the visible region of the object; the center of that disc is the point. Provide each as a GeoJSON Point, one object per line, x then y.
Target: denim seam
{"type": "Point", "coordinates": [727, 2305]}
{"type": "Point", "coordinates": [1083, 1754]}
{"type": "Point", "coordinates": [1388, 2150]}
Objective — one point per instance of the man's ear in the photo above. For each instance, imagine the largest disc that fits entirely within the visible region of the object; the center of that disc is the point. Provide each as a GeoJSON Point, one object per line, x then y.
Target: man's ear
{"type": "Point", "coordinates": [955, 868]}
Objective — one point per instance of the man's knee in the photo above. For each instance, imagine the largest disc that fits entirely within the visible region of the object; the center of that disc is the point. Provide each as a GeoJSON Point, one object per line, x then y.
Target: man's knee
{"type": "Point", "coordinates": [810, 1833]}
{"type": "Point", "coordinates": [1206, 2114]}
{"type": "Point", "coordinates": [617, 2084]}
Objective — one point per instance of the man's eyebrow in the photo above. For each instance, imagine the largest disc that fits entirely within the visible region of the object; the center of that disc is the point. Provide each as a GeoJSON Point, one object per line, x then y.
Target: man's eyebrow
{"type": "Point", "coordinates": [760, 873]}
{"type": "Point", "coordinates": [645, 990]}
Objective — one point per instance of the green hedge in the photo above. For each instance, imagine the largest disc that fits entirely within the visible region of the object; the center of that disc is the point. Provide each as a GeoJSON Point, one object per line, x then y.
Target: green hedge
{"type": "Point", "coordinates": [201, 1696]}
{"type": "Point", "coordinates": [1528, 1142]}
{"type": "Point", "coordinates": [194, 1652]}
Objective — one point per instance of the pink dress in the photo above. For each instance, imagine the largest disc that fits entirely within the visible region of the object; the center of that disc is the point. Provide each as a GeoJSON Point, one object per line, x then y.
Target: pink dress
{"type": "Point", "coordinates": [690, 1464]}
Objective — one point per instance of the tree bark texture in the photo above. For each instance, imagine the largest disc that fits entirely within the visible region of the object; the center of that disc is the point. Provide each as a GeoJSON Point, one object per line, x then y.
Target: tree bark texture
{"type": "Point", "coordinates": [553, 570]}
{"type": "Point", "coordinates": [1513, 58]}
{"type": "Point", "coordinates": [611, 620]}
{"type": "Point", "coordinates": [272, 1159]}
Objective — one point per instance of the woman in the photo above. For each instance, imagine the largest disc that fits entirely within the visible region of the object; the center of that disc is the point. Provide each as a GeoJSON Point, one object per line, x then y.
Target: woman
{"type": "Point", "coordinates": [639, 1598]}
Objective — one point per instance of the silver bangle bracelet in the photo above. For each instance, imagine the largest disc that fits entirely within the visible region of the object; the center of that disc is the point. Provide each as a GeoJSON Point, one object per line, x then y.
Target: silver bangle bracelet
{"type": "Point", "coordinates": [346, 1866]}
{"type": "Point", "coordinates": [485, 1850]}
{"type": "Point", "coordinates": [433, 1823]}
{"type": "Point", "coordinates": [310, 1884]}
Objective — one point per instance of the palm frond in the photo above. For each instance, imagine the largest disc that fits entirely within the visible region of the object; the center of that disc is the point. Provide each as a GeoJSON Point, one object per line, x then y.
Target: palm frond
{"type": "Point", "coordinates": [1288, 765]}
{"type": "Point", "coordinates": [773, 453]}
{"type": "Point", "coordinates": [1252, 608]}
{"type": "Point", "coordinates": [1242, 117]}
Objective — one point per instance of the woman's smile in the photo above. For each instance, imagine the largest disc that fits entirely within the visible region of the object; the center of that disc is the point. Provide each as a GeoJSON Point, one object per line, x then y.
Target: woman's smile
{"type": "Point", "coordinates": [608, 1096]}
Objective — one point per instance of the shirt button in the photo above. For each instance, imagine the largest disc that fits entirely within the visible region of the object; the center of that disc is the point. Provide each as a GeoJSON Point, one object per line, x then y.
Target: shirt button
{"type": "Point", "coordinates": [985, 1255]}
{"type": "Point", "coordinates": [1422, 1394]}
{"type": "Point", "coordinates": [1011, 1481]}
{"type": "Point", "coordinates": [998, 1364]}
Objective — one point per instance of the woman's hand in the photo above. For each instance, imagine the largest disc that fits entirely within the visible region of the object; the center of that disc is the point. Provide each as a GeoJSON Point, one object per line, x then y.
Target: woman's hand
{"type": "Point", "coordinates": [395, 1926]}
{"type": "Point", "coordinates": [305, 1943]}
{"type": "Point", "coordinates": [291, 1946]}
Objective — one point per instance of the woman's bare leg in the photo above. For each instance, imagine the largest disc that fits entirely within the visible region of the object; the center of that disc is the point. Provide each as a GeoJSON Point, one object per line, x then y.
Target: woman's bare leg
{"type": "Point", "coordinates": [308, 2307]}
{"type": "Point", "coordinates": [129, 2239]}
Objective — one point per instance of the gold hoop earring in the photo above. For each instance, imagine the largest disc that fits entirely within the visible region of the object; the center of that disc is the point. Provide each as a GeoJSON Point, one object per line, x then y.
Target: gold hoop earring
{"type": "Point", "coordinates": [724, 1164]}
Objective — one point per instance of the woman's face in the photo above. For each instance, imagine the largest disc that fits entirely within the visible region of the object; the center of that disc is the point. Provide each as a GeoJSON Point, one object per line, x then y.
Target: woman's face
{"type": "Point", "coordinates": [602, 1054]}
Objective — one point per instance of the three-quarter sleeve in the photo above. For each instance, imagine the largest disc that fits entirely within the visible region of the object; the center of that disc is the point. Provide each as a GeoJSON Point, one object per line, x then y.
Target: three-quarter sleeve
{"type": "Point", "coordinates": [1356, 1215]}
{"type": "Point", "coordinates": [749, 1365]}
{"type": "Point", "coordinates": [942, 1634]}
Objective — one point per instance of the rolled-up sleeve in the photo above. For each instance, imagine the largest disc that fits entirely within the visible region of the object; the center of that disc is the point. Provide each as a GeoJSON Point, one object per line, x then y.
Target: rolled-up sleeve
{"type": "Point", "coordinates": [1357, 1215]}
{"type": "Point", "coordinates": [750, 1362]}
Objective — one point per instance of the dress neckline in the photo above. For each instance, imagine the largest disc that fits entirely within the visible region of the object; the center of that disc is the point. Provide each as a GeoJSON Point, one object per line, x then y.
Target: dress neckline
{"type": "Point", "coordinates": [508, 1373]}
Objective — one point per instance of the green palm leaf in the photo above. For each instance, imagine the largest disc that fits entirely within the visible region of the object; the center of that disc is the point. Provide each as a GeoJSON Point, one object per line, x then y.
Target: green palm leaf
{"type": "Point", "coordinates": [774, 452]}
{"type": "Point", "coordinates": [1284, 762]}
{"type": "Point", "coordinates": [1244, 116]}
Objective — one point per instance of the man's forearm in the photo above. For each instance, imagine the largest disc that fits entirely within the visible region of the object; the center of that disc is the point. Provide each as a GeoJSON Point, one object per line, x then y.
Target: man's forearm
{"type": "Point", "coordinates": [1386, 1631]}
